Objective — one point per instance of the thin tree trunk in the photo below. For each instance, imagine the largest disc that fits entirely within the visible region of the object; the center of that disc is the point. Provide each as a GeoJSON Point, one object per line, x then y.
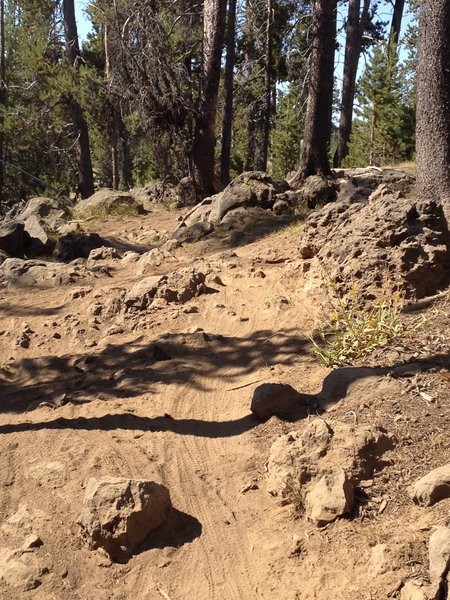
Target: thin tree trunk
{"type": "Point", "coordinates": [205, 127]}
{"type": "Point", "coordinates": [2, 95]}
{"type": "Point", "coordinates": [396, 24]}
{"type": "Point", "coordinates": [314, 160]}
{"type": "Point", "coordinates": [355, 29]}
{"type": "Point", "coordinates": [227, 124]}
{"type": "Point", "coordinates": [85, 175]}
{"type": "Point", "coordinates": [433, 104]}
{"type": "Point", "coordinates": [267, 88]}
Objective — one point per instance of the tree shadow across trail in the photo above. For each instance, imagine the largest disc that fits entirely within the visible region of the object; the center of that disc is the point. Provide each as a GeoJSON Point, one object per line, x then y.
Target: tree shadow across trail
{"type": "Point", "coordinates": [198, 360]}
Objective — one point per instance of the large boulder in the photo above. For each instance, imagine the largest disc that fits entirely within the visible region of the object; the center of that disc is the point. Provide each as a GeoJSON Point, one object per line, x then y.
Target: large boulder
{"type": "Point", "coordinates": [12, 238]}
{"type": "Point", "coordinates": [247, 197]}
{"type": "Point", "coordinates": [118, 514]}
{"type": "Point", "coordinates": [167, 192]}
{"type": "Point", "coordinates": [388, 237]}
{"type": "Point", "coordinates": [106, 202]}
{"type": "Point", "coordinates": [252, 188]}
{"type": "Point", "coordinates": [77, 245]}
{"type": "Point", "coordinates": [28, 273]}
{"type": "Point", "coordinates": [44, 208]}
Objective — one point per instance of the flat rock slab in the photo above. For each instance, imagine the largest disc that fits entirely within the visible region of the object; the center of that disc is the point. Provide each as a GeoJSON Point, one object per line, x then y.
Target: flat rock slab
{"type": "Point", "coordinates": [119, 513]}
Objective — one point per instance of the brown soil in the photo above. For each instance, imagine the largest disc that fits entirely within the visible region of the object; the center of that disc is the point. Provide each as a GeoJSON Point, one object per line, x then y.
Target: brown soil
{"type": "Point", "coordinates": [79, 403]}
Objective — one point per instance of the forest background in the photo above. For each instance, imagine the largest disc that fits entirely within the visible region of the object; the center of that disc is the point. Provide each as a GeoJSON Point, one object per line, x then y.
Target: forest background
{"type": "Point", "coordinates": [123, 106]}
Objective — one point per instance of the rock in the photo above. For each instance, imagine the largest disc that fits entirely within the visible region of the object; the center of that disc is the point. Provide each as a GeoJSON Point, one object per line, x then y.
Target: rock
{"type": "Point", "coordinates": [251, 190]}
{"type": "Point", "coordinates": [353, 244]}
{"type": "Point", "coordinates": [316, 191]}
{"type": "Point", "coordinates": [3, 256]}
{"type": "Point", "coordinates": [109, 202]}
{"type": "Point", "coordinates": [102, 254]}
{"type": "Point", "coordinates": [142, 293]}
{"type": "Point", "coordinates": [151, 259]}
{"type": "Point", "coordinates": [413, 590]}
{"type": "Point", "coordinates": [304, 455]}
{"type": "Point", "coordinates": [169, 193]}
{"type": "Point", "coordinates": [274, 399]}
{"type": "Point", "coordinates": [330, 498]}
{"type": "Point", "coordinates": [27, 273]}
{"type": "Point", "coordinates": [12, 238]}
{"type": "Point", "coordinates": [118, 514]}
{"type": "Point", "coordinates": [439, 559]}
{"type": "Point", "coordinates": [40, 241]}
{"type": "Point", "coordinates": [20, 571]}
{"type": "Point", "coordinates": [193, 233]}
{"type": "Point", "coordinates": [431, 488]}
{"type": "Point", "coordinates": [182, 285]}
{"type": "Point", "coordinates": [43, 208]}
{"type": "Point", "coordinates": [380, 561]}
{"type": "Point", "coordinates": [77, 245]}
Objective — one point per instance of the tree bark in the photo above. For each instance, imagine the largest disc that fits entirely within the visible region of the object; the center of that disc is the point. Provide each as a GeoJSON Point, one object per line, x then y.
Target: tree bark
{"type": "Point", "coordinates": [433, 103]}
{"type": "Point", "coordinates": [85, 175]}
{"type": "Point", "coordinates": [2, 95]}
{"type": "Point", "coordinates": [267, 88]}
{"type": "Point", "coordinates": [396, 23]}
{"type": "Point", "coordinates": [317, 132]}
{"type": "Point", "coordinates": [356, 24]}
{"type": "Point", "coordinates": [120, 156]}
{"type": "Point", "coordinates": [205, 126]}
{"type": "Point", "coordinates": [227, 123]}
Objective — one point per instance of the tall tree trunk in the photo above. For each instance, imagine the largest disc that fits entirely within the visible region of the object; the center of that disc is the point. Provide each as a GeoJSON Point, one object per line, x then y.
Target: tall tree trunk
{"type": "Point", "coordinates": [2, 95]}
{"type": "Point", "coordinates": [433, 104]}
{"type": "Point", "coordinates": [227, 123]}
{"type": "Point", "coordinates": [267, 88]}
{"type": "Point", "coordinates": [85, 175]}
{"type": "Point", "coordinates": [314, 159]}
{"type": "Point", "coordinates": [396, 23]}
{"type": "Point", "coordinates": [205, 126]}
{"type": "Point", "coordinates": [355, 29]}
{"type": "Point", "coordinates": [118, 134]}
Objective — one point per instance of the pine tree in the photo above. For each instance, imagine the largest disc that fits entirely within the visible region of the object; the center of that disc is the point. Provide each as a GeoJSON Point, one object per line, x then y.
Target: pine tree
{"type": "Point", "coordinates": [381, 134]}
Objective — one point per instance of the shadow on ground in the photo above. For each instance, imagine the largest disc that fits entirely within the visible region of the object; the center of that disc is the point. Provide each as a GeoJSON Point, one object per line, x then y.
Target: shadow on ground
{"type": "Point", "coordinates": [131, 369]}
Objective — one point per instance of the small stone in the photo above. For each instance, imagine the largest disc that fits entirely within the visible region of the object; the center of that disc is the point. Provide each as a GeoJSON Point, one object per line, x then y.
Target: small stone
{"type": "Point", "coordinates": [273, 399]}
{"type": "Point", "coordinates": [32, 541]}
{"type": "Point", "coordinates": [330, 498]}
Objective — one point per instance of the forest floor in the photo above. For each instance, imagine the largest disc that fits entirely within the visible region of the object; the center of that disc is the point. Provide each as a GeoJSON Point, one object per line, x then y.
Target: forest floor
{"type": "Point", "coordinates": [87, 399]}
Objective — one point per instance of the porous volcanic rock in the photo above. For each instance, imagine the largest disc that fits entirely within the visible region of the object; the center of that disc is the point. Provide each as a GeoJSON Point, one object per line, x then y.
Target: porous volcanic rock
{"type": "Point", "coordinates": [389, 239]}
{"type": "Point", "coordinates": [119, 513]}
{"type": "Point", "coordinates": [312, 459]}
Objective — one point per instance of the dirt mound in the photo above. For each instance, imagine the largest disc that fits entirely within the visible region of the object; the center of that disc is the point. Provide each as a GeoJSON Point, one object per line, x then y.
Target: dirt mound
{"type": "Point", "coordinates": [388, 239]}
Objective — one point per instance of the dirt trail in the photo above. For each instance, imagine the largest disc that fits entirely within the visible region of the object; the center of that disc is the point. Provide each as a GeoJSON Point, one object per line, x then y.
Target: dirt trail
{"type": "Point", "coordinates": [184, 422]}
